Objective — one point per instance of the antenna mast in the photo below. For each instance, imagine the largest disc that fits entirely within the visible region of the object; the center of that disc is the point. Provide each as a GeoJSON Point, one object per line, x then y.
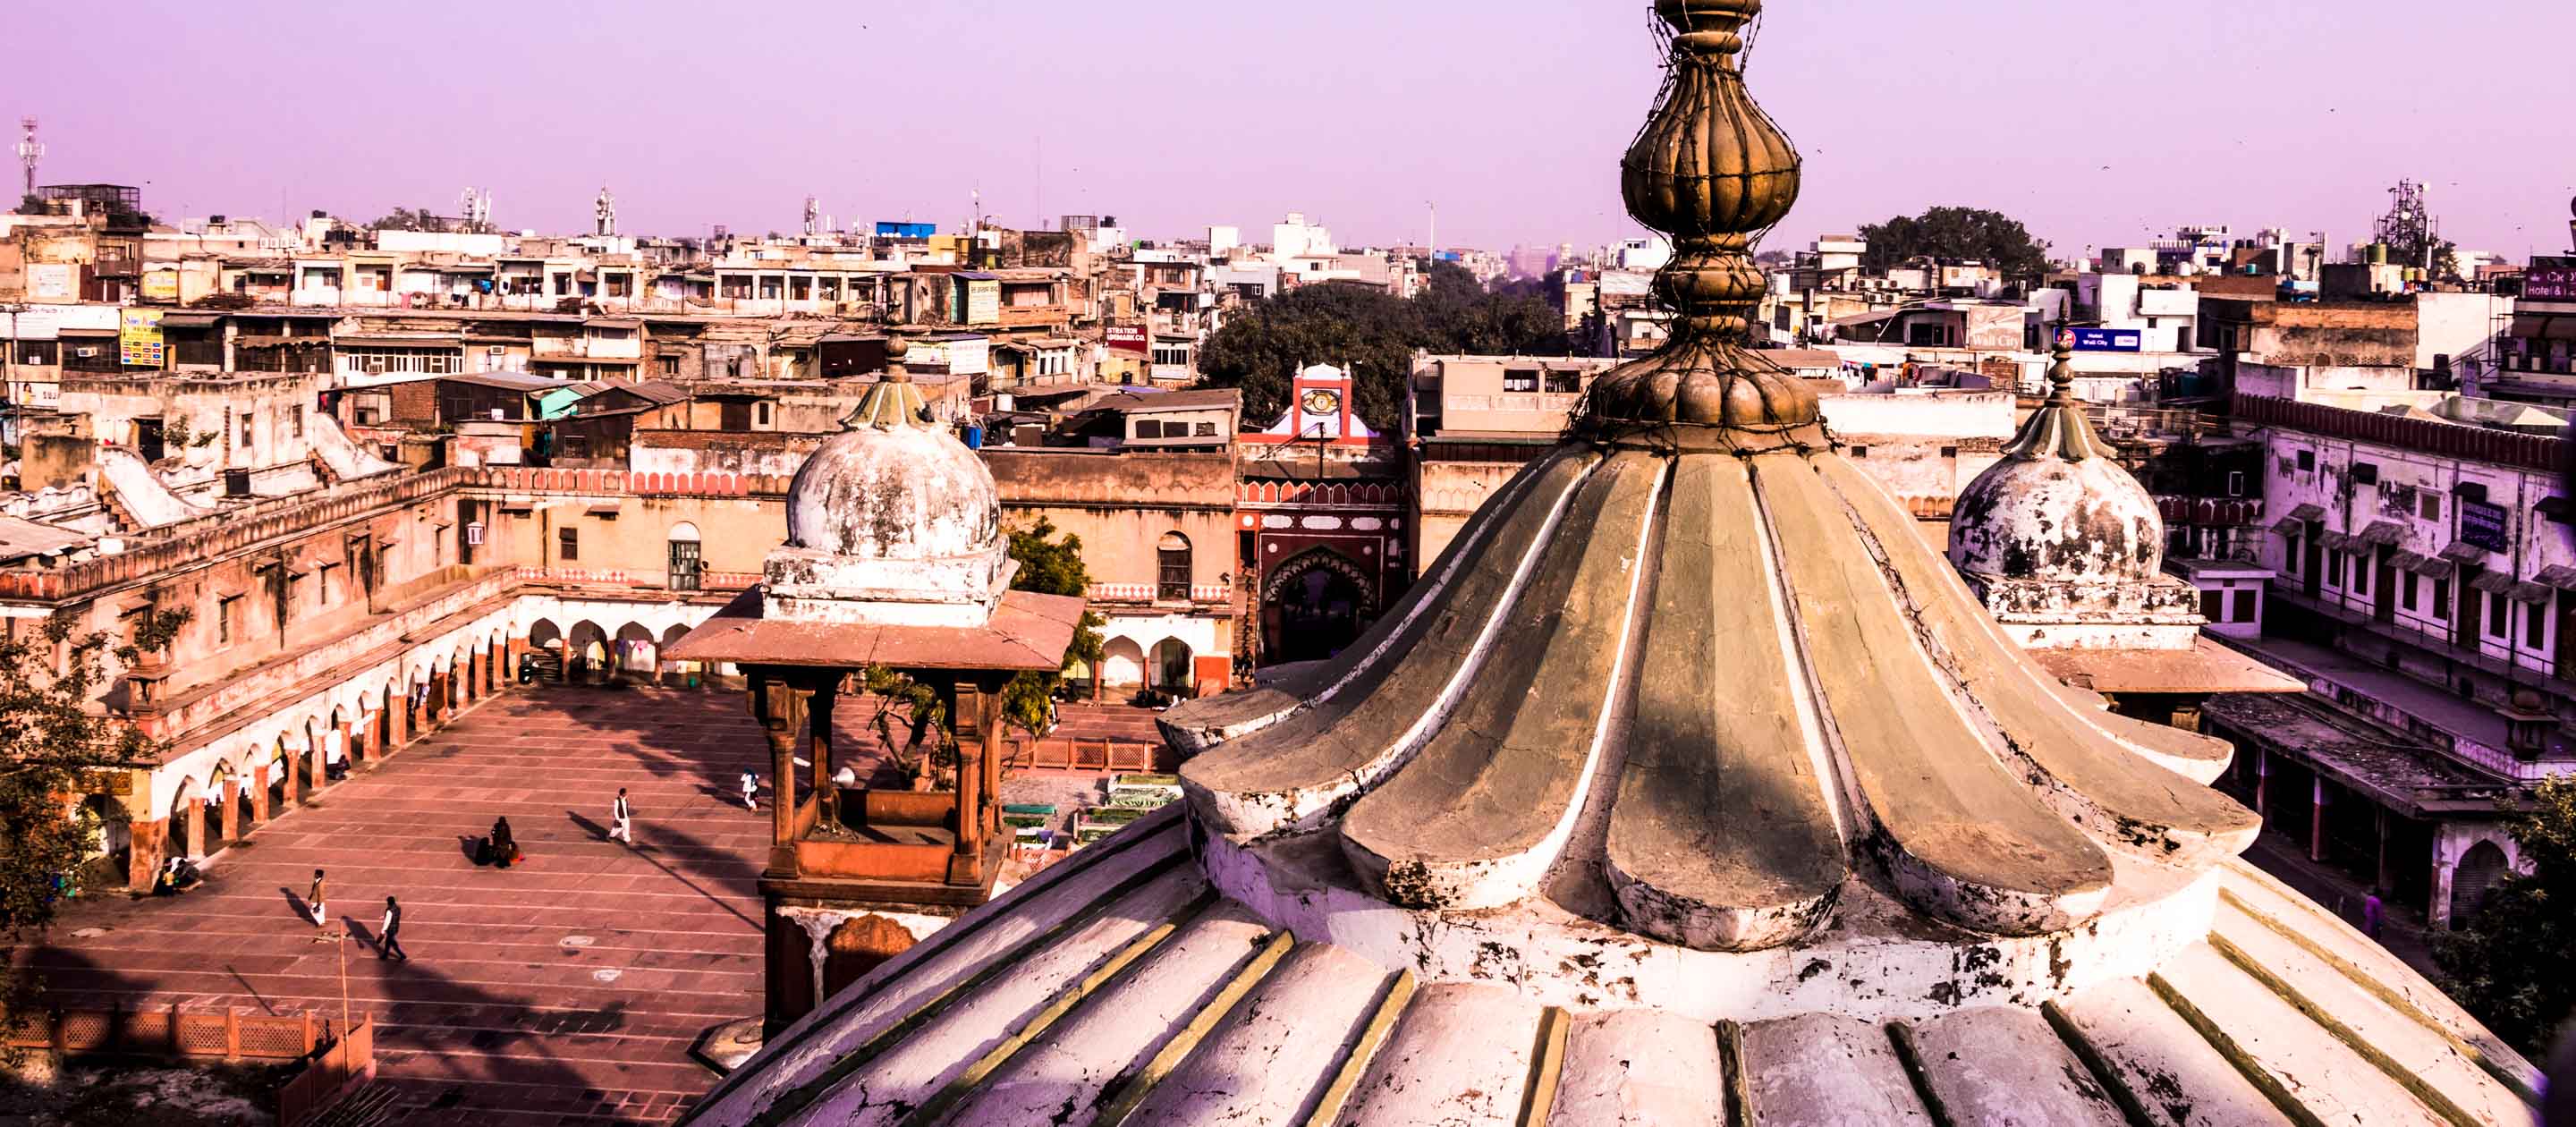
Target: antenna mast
{"type": "Point", "coordinates": [30, 151]}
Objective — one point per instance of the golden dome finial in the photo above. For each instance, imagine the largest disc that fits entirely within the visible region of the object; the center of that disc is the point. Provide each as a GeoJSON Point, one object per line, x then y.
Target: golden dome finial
{"type": "Point", "coordinates": [1711, 170]}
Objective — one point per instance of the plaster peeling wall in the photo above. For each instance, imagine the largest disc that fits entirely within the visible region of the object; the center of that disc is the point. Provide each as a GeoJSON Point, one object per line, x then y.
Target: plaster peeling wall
{"type": "Point", "coordinates": [342, 455]}
{"type": "Point", "coordinates": [129, 479]}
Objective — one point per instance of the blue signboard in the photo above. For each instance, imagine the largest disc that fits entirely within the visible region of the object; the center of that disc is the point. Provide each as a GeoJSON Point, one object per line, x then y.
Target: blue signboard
{"type": "Point", "coordinates": [2483, 524]}
{"type": "Point", "coordinates": [906, 230]}
{"type": "Point", "coordinates": [2107, 340]}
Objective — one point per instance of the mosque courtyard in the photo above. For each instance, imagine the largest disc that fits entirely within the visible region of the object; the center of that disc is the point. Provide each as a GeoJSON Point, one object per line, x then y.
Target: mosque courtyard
{"type": "Point", "coordinates": [567, 990]}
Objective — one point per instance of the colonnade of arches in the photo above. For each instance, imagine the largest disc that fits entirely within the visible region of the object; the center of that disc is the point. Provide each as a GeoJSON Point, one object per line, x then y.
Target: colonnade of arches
{"type": "Point", "coordinates": [589, 654]}
{"type": "Point", "coordinates": [275, 770]}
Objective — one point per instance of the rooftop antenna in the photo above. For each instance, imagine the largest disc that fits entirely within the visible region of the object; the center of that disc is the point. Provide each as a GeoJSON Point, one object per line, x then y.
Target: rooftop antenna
{"type": "Point", "coordinates": [813, 212]}
{"type": "Point", "coordinates": [604, 211]}
{"type": "Point", "coordinates": [30, 151]}
{"type": "Point", "coordinates": [475, 204]}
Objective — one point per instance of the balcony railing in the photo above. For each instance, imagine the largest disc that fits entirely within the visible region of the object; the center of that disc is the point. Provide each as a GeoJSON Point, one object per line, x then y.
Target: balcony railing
{"type": "Point", "coordinates": [1157, 593]}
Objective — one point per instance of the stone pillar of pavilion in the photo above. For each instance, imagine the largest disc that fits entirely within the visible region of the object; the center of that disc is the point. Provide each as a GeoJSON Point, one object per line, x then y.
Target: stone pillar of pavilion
{"type": "Point", "coordinates": [895, 561]}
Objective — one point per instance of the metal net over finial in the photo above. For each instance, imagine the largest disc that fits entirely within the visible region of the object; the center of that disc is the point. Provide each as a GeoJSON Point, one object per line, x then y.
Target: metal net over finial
{"type": "Point", "coordinates": [2058, 429]}
{"type": "Point", "coordinates": [1711, 171]}
{"type": "Point", "coordinates": [892, 401]}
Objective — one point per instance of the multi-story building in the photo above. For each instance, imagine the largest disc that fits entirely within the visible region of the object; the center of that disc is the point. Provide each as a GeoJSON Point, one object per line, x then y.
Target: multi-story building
{"type": "Point", "coordinates": [2424, 585]}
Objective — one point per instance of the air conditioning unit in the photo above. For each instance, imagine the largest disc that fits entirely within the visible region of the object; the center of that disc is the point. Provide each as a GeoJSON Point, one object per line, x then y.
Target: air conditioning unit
{"type": "Point", "coordinates": [474, 533]}
{"type": "Point", "coordinates": [496, 350]}
{"type": "Point", "coordinates": [86, 352]}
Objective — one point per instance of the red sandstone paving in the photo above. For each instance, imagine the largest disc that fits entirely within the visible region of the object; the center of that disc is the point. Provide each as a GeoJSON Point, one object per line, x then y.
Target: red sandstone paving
{"type": "Point", "coordinates": [497, 1019]}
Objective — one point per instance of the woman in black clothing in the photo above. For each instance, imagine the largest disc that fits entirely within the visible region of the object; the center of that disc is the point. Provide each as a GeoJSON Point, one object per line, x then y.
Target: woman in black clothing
{"type": "Point", "coordinates": [505, 849]}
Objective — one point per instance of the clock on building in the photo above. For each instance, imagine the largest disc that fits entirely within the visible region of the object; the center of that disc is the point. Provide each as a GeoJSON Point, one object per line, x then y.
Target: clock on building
{"type": "Point", "coordinates": [1322, 402]}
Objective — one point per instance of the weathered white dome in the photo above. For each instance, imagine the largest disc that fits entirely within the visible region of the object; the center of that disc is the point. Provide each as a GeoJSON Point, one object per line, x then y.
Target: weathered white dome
{"type": "Point", "coordinates": [2057, 508]}
{"type": "Point", "coordinates": [892, 521]}
{"type": "Point", "coordinates": [2053, 520]}
{"type": "Point", "coordinates": [902, 493]}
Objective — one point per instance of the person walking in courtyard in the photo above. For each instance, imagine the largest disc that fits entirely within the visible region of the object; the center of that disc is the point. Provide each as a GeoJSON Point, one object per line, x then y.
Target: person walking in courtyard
{"type": "Point", "coordinates": [621, 825]}
{"type": "Point", "coordinates": [2374, 915]}
{"type": "Point", "coordinates": [751, 789]}
{"type": "Point", "coordinates": [313, 899]}
{"type": "Point", "coordinates": [389, 939]}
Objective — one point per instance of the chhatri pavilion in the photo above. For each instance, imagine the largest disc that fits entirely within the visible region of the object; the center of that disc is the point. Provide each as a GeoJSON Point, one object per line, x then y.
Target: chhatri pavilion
{"type": "Point", "coordinates": [1691, 786]}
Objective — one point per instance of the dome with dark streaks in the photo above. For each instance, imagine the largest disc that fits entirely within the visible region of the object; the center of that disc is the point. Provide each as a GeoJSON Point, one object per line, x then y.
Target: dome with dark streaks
{"type": "Point", "coordinates": [2057, 508]}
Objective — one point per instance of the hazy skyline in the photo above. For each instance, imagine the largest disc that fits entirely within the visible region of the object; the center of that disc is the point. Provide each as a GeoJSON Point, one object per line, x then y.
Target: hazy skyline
{"type": "Point", "coordinates": [2094, 125]}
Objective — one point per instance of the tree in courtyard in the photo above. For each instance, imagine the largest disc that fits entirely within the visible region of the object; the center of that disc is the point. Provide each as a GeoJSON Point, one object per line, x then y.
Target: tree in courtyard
{"type": "Point", "coordinates": [50, 742]}
{"type": "Point", "coordinates": [1957, 232]}
{"type": "Point", "coordinates": [2503, 965]}
{"type": "Point", "coordinates": [1050, 566]}
{"type": "Point", "coordinates": [1374, 334]}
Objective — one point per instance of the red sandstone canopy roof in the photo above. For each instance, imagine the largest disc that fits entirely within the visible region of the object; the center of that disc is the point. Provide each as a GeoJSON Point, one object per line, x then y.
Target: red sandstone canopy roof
{"type": "Point", "coordinates": [1028, 631]}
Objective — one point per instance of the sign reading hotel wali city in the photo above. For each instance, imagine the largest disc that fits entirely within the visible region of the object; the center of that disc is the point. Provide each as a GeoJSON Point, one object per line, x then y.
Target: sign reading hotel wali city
{"type": "Point", "coordinates": [2483, 524]}
{"type": "Point", "coordinates": [138, 338]}
{"type": "Point", "coordinates": [2104, 340]}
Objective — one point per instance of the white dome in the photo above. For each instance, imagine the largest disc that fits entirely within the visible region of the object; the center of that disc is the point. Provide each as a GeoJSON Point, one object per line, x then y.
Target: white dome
{"type": "Point", "coordinates": [2052, 520]}
{"type": "Point", "coordinates": [901, 494]}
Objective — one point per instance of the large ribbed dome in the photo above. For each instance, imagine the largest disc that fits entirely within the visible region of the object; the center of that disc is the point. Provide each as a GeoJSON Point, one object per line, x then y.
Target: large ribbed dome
{"type": "Point", "coordinates": [2057, 508]}
{"type": "Point", "coordinates": [1690, 786]}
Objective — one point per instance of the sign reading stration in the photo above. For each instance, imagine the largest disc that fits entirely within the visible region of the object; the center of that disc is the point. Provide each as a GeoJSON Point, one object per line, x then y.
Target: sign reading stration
{"type": "Point", "coordinates": [2484, 525]}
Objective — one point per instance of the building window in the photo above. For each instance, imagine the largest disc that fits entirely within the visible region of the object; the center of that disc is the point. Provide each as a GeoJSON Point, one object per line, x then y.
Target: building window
{"type": "Point", "coordinates": [2535, 627]}
{"type": "Point", "coordinates": [1564, 383]}
{"type": "Point", "coordinates": [2432, 505]}
{"type": "Point", "coordinates": [1171, 355]}
{"type": "Point", "coordinates": [760, 414]}
{"type": "Point", "coordinates": [2307, 460]}
{"type": "Point", "coordinates": [2244, 607]}
{"type": "Point", "coordinates": [568, 544]}
{"type": "Point", "coordinates": [295, 422]}
{"type": "Point", "coordinates": [2442, 599]}
{"type": "Point", "coordinates": [1173, 555]}
{"type": "Point", "coordinates": [670, 366]}
{"type": "Point", "coordinates": [1520, 379]}
{"type": "Point", "coordinates": [330, 577]}
{"type": "Point", "coordinates": [227, 612]}
{"type": "Point", "coordinates": [2361, 575]}
{"type": "Point", "coordinates": [1149, 428]}
{"type": "Point", "coordinates": [2213, 605]}
{"type": "Point", "coordinates": [245, 432]}
{"type": "Point", "coordinates": [685, 557]}
{"type": "Point", "coordinates": [1206, 430]}
{"type": "Point", "coordinates": [2334, 567]}
{"type": "Point", "coordinates": [2499, 616]}
{"type": "Point", "coordinates": [2406, 592]}
{"type": "Point", "coordinates": [2298, 548]}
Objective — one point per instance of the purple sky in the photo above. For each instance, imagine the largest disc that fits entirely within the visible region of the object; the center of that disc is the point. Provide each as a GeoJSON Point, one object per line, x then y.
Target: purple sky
{"type": "Point", "coordinates": [2093, 122]}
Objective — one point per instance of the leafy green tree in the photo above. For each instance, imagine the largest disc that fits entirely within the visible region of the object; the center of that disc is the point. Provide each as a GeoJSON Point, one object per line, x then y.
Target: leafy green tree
{"type": "Point", "coordinates": [49, 742]}
{"type": "Point", "coordinates": [1050, 566]}
{"type": "Point", "coordinates": [2505, 966]}
{"type": "Point", "coordinates": [1373, 333]}
{"type": "Point", "coordinates": [1957, 232]}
